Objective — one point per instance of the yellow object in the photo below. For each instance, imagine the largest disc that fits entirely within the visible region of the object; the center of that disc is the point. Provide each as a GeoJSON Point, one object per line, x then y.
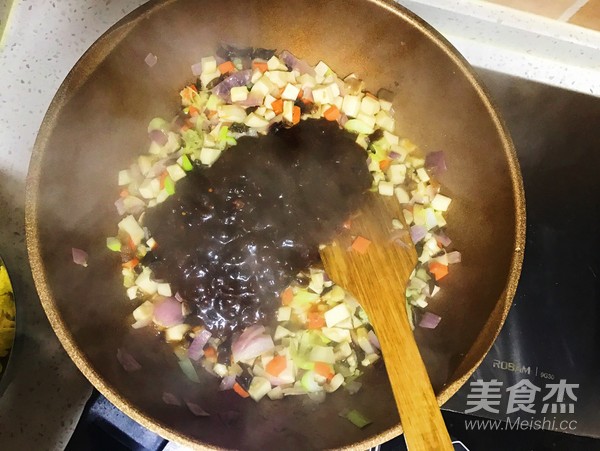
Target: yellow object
{"type": "Point", "coordinates": [7, 313]}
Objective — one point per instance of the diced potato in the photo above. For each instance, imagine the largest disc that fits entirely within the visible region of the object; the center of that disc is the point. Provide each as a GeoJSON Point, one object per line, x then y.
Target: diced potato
{"type": "Point", "coordinates": [284, 313]}
{"type": "Point", "coordinates": [441, 202]}
{"type": "Point", "coordinates": [164, 289]}
{"type": "Point", "coordinates": [402, 196]}
{"type": "Point", "coordinates": [259, 387]}
{"type": "Point", "coordinates": [336, 314]}
{"type": "Point", "coordinates": [239, 93]}
{"type": "Point", "coordinates": [386, 188]}
{"type": "Point", "coordinates": [208, 155]}
{"type": "Point", "coordinates": [350, 105]}
{"type": "Point", "coordinates": [253, 120]}
{"type": "Point", "coordinates": [321, 69]}
{"type": "Point", "coordinates": [385, 121]}
{"type": "Point", "coordinates": [290, 92]}
{"type": "Point", "coordinates": [288, 110]}
{"type": "Point", "coordinates": [176, 333]}
{"type": "Point", "coordinates": [129, 225]}
{"type": "Point", "coordinates": [396, 173]}
{"type": "Point", "coordinates": [369, 106]}
{"type": "Point", "coordinates": [124, 178]}
{"type": "Point", "coordinates": [207, 76]}
{"type": "Point", "coordinates": [231, 113]}
{"type": "Point", "coordinates": [208, 64]}
{"type": "Point", "coordinates": [176, 172]}
{"type": "Point", "coordinates": [322, 95]}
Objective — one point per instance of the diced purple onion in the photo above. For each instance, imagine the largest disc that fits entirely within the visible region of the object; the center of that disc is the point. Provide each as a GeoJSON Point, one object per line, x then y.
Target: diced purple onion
{"type": "Point", "coordinates": [436, 162]}
{"type": "Point", "coordinates": [150, 59]}
{"type": "Point", "coordinates": [241, 78]}
{"type": "Point", "coordinates": [79, 257]}
{"type": "Point", "coordinates": [307, 94]}
{"type": "Point", "coordinates": [342, 119]}
{"type": "Point", "coordinates": [196, 349]}
{"type": "Point", "coordinates": [251, 343]}
{"type": "Point", "coordinates": [158, 168]}
{"type": "Point", "coordinates": [120, 204]}
{"type": "Point", "coordinates": [127, 361]}
{"type": "Point", "coordinates": [167, 312]}
{"type": "Point", "coordinates": [443, 239]}
{"type": "Point", "coordinates": [251, 100]}
{"type": "Point", "coordinates": [227, 383]}
{"type": "Point", "coordinates": [417, 233]}
{"type": "Point", "coordinates": [196, 409]}
{"type": "Point", "coordinates": [454, 257]}
{"type": "Point", "coordinates": [394, 155]}
{"type": "Point", "coordinates": [296, 64]}
{"type": "Point", "coordinates": [373, 339]}
{"type": "Point", "coordinates": [159, 137]}
{"type": "Point", "coordinates": [171, 399]}
{"type": "Point", "coordinates": [196, 69]}
{"type": "Point", "coordinates": [429, 320]}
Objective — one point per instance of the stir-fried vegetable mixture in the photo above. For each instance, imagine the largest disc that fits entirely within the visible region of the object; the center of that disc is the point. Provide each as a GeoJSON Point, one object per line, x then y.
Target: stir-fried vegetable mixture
{"type": "Point", "coordinates": [321, 339]}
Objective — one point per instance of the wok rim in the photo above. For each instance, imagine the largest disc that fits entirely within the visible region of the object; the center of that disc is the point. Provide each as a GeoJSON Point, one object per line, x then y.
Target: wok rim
{"type": "Point", "coordinates": [100, 49]}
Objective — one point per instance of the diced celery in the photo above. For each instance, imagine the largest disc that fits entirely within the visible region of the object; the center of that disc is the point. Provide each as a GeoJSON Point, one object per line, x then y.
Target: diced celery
{"type": "Point", "coordinates": [169, 185]}
{"type": "Point", "coordinates": [113, 243]}
{"type": "Point", "coordinates": [357, 418]}
{"type": "Point", "coordinates": [358, 126]}
{"type": "Point", "coordinates": [176, 333]}
{"type": "Point", "coordinates": [188, 369]}
{"type": "Point", "coordinates": [185, 163]}
{"type": "Point", "coordinates": [309, 383]}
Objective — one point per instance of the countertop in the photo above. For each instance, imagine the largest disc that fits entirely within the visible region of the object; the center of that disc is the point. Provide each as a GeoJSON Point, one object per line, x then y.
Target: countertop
{"type": "Point", "coordinates": [40, 44]}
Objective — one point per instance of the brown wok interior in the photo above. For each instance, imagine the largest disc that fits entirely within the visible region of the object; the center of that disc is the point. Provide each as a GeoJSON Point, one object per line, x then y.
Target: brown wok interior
{"type": "Point", "coordinates": [96, 126]}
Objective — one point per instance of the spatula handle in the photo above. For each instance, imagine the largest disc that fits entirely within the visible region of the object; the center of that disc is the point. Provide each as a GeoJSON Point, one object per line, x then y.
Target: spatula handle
{"type": "Point", "coordinates": [424, 427]}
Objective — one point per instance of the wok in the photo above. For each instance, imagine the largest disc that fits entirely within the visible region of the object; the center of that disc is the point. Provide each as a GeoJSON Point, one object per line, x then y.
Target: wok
{"type": "Point", "coordinates": [96, 126]}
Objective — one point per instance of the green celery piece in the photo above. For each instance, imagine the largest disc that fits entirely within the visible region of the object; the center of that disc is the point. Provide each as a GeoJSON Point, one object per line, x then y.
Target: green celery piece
{"type": "Point", "coordinates": [192, 140]}
{"type": "Point", "coordinates": [186, 164]}
{"type": "Point", "coordinates": [113, 243]}
{"type": "Point", "coordinates": [357, 418]}
{"type": "Point", "coordinates": [169, 185]}
{"type": "Point", "coordinates": [188, 369]}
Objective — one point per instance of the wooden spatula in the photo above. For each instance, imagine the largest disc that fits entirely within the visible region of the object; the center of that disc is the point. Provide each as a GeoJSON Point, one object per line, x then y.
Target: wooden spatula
{"type": "Point", "coordinates": [378, 276]}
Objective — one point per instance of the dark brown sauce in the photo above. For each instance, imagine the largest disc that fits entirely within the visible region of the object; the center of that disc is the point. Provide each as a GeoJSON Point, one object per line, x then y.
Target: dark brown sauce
{"type": "Point", "coordinates": [234, 235]}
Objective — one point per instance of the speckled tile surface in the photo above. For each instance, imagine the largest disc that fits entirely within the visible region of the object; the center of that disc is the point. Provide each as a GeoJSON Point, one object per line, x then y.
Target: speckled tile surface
{"type": "Point", "coordinates": [41, 42]}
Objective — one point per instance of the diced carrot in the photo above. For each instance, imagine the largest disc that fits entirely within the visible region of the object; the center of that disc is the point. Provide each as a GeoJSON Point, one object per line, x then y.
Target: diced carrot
{"type": "Point", "coordinates": [332, 113]}
{"type": "Point", "coordinates": [184, 127]}
{"type": "Point", "coordinates": [240, 391]}
{"type": "Point", "coordinates": [193, 111]}
{"type": "Point", "coordinates": [315, 320]}
{"type": "Point", "coordinates": [210, 114]}
{"type": "Point", "coordinates": [163, 176]}
{"type": "Point", "coordinates": [287, 296]}
{"type": "Point", "coordinates": [300, 94]}
{"type": "Point", "coordinates": [277, 106]}
{"type": "Point", "coordinates": [361, 244]}
{"type": "Point", "coordinates": [124, 192]}
{"type": "Point", "coordinates": [210, 352]}
{"type": "Point", "coordinates": [260, 66]}
{"type": "Point", "coordinates": [226, 67]}
{"type": "Point", "coordinates": [131, 263]}
{"type": "Point", "coordinates": [276, 365]}
{"type": "Point", "coordinates": [324, 369]}
{"type": "Point", "coordinates": [295, 115]}
{"type": "Point", "coordinates": [131, 244]}
{"type": "Point", "coordinates": [438, 270]}
{"type": "Point", "coordinates": [193, 87]}
{"type": "Point", "coordinates": [384, 164]}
